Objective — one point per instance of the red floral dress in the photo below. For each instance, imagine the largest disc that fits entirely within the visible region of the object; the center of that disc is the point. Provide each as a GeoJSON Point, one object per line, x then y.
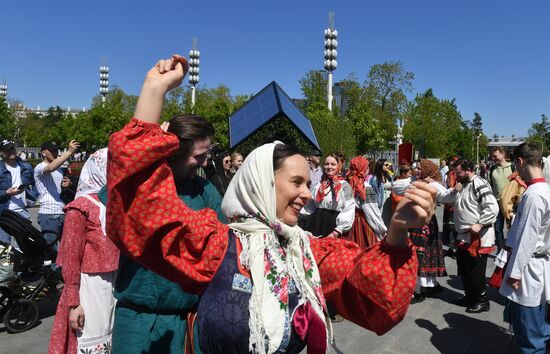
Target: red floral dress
{"type": "Point", "coordinates": [150, 224]}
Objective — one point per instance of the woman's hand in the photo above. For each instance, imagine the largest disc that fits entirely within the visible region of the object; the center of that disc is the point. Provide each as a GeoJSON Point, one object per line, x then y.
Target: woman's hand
{"type": "Point", "coordinates": [163, 77]}
{"type": "Point", "coordinates": [413, 211]}
{"type": "Point", "coordinates": [76, 318]}
{"type": "Point", "coordinates": [167, 74]}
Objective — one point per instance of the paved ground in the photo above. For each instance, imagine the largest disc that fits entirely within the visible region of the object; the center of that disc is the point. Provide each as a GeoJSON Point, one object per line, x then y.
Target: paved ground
{"type": "Point", "coordinates": [432, 326]}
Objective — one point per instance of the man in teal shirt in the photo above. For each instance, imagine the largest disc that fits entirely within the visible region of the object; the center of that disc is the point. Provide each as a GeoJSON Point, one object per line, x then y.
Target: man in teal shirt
{"type": "Point", "coordinates": [151, 312]}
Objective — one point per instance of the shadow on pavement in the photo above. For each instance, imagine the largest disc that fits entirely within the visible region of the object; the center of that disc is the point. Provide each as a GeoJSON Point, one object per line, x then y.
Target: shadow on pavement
{"type": "Point", "coordinates": [468, 335]}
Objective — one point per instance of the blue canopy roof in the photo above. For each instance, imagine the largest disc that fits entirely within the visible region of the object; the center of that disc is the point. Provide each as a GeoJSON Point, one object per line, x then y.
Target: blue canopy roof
{"type": "Point", "coordinates": [270, 103]}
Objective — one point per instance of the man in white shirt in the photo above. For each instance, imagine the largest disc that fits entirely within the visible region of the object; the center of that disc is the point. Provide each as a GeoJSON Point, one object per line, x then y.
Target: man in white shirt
{"type": "Point", "coordinates": [527, 278]}
{"type": "Point", "coordinates": [16, 184]}
{"type": "Point", "coordinates": [48, 177]}
{"type": "Point", "coordinates": [475, 212]}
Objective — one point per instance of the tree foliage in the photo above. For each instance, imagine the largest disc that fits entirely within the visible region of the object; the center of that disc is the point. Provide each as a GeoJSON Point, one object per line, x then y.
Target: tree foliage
{"type": "Point", "coordinates": [540, 133]}
{"type": "Point", "coordinates": [363, 119]}
{"type": "Point", "coordinates": [7, 120]}
{"type": "Point", "coordinates": [436, 128]}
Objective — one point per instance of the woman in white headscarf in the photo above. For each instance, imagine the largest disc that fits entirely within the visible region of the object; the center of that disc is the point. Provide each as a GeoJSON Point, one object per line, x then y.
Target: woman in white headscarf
{"type": "Point", "coordinates": [89, 260]}
{"type": "Point", "coordinates": [263, 280]}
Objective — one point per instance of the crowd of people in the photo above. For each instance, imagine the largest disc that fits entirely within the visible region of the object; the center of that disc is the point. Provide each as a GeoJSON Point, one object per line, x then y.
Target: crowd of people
{"type": "Point", "coordinates": [167, 245]}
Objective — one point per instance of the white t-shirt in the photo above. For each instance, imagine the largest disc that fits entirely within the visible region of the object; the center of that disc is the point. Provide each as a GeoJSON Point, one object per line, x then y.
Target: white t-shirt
{"type": "Point", "coordinates": [17, 202]}
{"type": "Point", "coordinates": [49, 189]}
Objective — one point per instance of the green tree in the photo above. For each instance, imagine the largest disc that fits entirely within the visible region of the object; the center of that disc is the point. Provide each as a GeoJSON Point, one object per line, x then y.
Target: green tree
{"type": "Point", "coordinates": [7, 120]}
{"type": "Point", "coordinates": [388, 84]}
{"type": "Point", "coordinates": [435, 127]}
{"type": "Point", "coordinates": [333, 132]}
{"type": "Point", "coordinates": [540, 133]}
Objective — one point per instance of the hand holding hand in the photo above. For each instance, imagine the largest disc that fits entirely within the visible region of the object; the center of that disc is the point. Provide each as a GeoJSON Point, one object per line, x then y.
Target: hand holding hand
{"type": "Point", "coordinates": [416, 208]}
{"type": "Point", "coordinates": [76, 318]}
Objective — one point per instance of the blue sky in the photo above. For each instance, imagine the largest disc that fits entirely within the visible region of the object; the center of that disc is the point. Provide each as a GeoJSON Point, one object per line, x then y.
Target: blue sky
{"type": "Point", "coordinates": [492, 56]}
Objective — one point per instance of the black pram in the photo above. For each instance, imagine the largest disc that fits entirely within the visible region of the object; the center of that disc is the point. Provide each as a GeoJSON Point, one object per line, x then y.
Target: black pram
{"type": "Point", "coordinates": [34, 278]}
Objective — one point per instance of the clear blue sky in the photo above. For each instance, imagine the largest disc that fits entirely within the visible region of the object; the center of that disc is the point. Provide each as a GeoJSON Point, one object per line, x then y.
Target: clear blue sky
{"type": "Point", "coordinates": [492, 56]}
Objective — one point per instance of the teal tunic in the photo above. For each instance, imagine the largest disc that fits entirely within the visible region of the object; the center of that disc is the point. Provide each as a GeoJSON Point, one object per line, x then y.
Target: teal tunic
{"type": "Point", "coordinates": [150, 316]}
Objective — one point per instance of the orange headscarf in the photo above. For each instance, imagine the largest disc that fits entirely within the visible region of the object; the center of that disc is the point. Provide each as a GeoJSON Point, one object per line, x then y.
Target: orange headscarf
{"type": "Point", "coordinates": [356, 175]}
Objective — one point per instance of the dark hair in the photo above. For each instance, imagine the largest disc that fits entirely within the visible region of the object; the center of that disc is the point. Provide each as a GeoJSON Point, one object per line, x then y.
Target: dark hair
{"type": "Point", "coordinates": [404, 169]}
{"type": "Point", "coordinates": [379, 171]}
{"type": "Point", "coordinates": [281, 152]}
{"type": "Point", "coordinates": [464, 164]}
{"type": "Point", "coordinates": [188, 128]}
{"type": "Point", "coordinates": [530, 153]}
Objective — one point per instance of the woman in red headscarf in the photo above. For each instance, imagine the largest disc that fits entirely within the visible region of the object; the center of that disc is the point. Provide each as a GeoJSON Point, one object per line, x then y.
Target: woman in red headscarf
{"type": "Point", "coordinates": [368, 227]}
{"type": "Point", "coordinates": [429, 247]}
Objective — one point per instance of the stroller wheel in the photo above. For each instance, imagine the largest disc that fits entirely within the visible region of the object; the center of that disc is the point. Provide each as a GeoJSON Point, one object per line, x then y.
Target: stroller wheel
{"type": "Point", "coordinates": [21, 315]}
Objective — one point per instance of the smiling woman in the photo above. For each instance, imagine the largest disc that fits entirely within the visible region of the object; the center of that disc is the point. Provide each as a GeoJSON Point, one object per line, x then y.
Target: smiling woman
{"type": "Point", "coordinates": [331, 211]}
{"type": "Point", "coordinates": [263, 280]}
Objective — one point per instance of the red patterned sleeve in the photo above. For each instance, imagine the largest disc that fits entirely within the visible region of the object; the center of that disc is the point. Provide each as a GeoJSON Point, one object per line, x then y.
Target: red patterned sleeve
{"type": "Point", "coordinates": [71, 251]}
{"type": "Point", "coordinates": [145, 217]}
{"type": "Point", "coordinates": [371, 288]}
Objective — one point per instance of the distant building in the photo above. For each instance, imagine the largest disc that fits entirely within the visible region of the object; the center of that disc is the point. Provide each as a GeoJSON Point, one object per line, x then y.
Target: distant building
{"type": "Point", "coordinates": [506, 142]}
{"type": "Point", "coordinates": [21, 111]}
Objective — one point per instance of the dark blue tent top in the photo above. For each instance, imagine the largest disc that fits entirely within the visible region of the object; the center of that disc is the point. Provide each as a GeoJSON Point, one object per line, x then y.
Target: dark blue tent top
{"type": "Point", "coordinates": [269, 103]}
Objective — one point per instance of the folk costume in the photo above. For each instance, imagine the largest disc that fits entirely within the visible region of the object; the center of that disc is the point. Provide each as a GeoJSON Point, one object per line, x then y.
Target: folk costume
{"type": "Point", "coordinates": [368, 227]}
{"type": "Point", "coordinates": [529, 262]}
{"type": "Point", "coordinates": [474, 204]}
{"type": "Point", "coordinates": [152, 312]}
{"type": "Point", "coordinates": [427, 241]}
{"type": "Point", "coordinates": [331, 208]}
{"type": "Point", "coordinates": [265, 269]}
{"type": "Point", "coordinates": [89, 261]}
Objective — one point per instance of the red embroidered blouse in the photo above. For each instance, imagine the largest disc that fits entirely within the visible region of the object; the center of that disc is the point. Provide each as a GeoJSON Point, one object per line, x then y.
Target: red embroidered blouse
{"type": "Point", "coordinates": [84, 248]}
{"type": "Point", "coordinates": [149, 223]}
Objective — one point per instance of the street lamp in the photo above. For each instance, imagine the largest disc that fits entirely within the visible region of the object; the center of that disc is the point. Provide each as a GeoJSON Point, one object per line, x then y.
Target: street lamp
{"type": "Point", "coordinates": [4, 90]}
{"type": "Point", "coordinates": [194, 63]}
{"type": "Point", "coordinates": [477, 147]}
{"type": "Point", "coordinates": [103, 82]}
{"type": "Point", "coordinates": [330, 55]}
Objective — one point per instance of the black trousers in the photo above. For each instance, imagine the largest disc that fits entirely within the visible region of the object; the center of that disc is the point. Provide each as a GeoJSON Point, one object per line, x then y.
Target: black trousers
{"type": "Point", "coordinates": [472, 271]}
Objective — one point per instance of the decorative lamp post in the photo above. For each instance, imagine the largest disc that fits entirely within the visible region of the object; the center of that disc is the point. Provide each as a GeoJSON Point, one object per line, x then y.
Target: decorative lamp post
{"type": "Point", "coordinates": [4, 90]}
{"type": "Point", "coordinates": [330, 55]}
{"type": "Point", "coordinates": [477, 147]}
{"type": "Point", "coordinates": [194, 62]}
{"type": "Point", "coordinates": [103, 82]}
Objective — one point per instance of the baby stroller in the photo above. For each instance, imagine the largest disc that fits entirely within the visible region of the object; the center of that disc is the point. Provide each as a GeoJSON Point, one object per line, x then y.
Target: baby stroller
{"type": "Point", "coordinates": [32, 278]}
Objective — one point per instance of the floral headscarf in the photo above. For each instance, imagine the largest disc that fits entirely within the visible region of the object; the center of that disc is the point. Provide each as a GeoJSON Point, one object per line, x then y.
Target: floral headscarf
{"type": "Point", "coordinates": [250, 204]}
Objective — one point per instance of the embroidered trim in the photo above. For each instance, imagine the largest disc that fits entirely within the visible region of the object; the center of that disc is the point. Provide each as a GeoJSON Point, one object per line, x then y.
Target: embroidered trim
{"type": "Point", "coordinates": [241, 283]}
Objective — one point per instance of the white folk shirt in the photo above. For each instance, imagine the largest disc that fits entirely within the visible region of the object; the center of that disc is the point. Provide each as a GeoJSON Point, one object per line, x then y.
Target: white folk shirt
{"type": "Point", "coordinates": [372, 211]}
{"type": "Point", "coordinates": [49, 189]}
{"type": "Point", "coordinates": [474, 204]}
{"type": "Point", "coordinates": [344, 203]}
{"type": "Point", "coordinates": [530, 259]}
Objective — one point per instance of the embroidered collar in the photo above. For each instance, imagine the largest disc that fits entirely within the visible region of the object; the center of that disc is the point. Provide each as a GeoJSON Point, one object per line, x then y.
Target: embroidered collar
{"type": "Point", "coordinates": [536, 180]}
